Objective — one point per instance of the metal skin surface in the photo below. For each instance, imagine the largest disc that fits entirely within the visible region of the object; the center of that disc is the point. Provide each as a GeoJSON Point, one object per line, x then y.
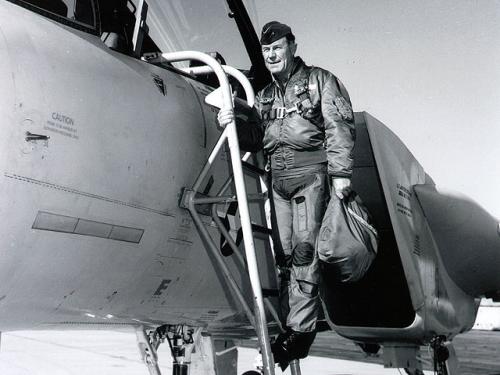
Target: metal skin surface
{"type": "Point", "coordinates": [467, 237]}
{"type": "Point", "coordinates": [119, 153]}
{"type": "Point", "coordinates": [440, 305]}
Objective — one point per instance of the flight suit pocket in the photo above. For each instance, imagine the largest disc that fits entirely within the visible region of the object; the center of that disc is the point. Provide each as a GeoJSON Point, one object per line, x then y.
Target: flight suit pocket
{"type": "Point", "coordinates": [307, 278]}
{"type": "Point", "coordinates": [301, 213]}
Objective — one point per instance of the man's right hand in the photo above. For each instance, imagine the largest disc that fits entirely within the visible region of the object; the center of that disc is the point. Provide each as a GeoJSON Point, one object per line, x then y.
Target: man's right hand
{"type": "Point", "coordinates": [225, 117]}
{"type": "Point", "coordinates": [341, 187]}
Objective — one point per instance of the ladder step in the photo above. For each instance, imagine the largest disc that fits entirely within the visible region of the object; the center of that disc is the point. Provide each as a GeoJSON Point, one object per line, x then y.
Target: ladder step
{"type": "Point", "coordinates": [260, 229]}
{"type": "Point", "coordinates": [224, 245]}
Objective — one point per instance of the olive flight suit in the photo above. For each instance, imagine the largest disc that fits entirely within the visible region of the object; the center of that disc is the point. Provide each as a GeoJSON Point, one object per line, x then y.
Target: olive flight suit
{"type": "Point", "coordinates": [306, 128]}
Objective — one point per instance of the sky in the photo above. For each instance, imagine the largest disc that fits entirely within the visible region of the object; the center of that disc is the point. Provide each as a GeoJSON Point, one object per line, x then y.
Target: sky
{"type": "Point", "coordinates": [429, 70]}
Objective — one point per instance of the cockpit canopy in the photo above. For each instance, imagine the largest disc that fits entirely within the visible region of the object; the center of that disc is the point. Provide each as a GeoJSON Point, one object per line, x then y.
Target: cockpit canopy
{"type": "Point", "coordinates": [144, 27]}
{"type": "Point", "coordinates": [80, 14]}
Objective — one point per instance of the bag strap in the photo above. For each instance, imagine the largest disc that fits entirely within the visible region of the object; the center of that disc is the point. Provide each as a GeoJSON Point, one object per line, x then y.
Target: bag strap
{"type": "Point", "coordinates": [362, 221]}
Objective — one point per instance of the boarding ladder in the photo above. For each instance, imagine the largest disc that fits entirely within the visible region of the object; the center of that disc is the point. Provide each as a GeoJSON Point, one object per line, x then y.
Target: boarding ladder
{"type": "Point", "coordinates": [193, 200]}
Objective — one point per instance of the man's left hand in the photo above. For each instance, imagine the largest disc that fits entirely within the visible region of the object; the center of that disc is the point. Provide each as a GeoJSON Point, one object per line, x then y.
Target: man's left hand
{"type": "Point", "coordinates": [341, 186]}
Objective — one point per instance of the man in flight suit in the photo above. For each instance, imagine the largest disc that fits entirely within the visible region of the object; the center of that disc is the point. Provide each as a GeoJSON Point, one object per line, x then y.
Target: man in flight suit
{"type": "Point", "coordinates": [305, 124]}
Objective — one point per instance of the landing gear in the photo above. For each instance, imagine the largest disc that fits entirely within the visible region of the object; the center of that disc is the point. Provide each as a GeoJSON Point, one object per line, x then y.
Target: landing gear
{"type": "Point", "coordinates": [148, 348]}
{"type": "Point", "coordinates": [445, 359]}
{"type": "Point", "coordinates": [181, 343]}
{"type": "Point", "coordinates": [193, 352]}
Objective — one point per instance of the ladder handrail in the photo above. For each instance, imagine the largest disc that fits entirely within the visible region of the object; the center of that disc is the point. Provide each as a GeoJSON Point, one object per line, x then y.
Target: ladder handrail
{"type": "Point", "coordinates": [231, 135]}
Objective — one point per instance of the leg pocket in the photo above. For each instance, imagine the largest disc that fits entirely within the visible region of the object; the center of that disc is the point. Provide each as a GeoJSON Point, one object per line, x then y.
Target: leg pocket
{"type": "Point", "coordinates": [307, 288]}
{"type": "Point", "coordinates": [306, 276]}
{"type": "Point", "coordinates": [309, 203]}
{"type": "Point", "coordinates": [301, 213]}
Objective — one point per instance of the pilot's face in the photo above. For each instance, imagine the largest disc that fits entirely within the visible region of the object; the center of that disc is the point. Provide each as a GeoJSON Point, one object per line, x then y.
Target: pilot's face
{"type": "Point", "coordinates": [278, 57]}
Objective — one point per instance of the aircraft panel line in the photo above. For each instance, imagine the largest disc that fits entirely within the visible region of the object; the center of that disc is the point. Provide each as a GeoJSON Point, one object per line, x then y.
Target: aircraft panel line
{"type": "Point", "coordinates": [85, 194]}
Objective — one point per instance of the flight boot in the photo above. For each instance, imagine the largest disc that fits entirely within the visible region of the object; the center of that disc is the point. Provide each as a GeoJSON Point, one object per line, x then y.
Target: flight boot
{"type": "Point", "coordinates": [291, 345]}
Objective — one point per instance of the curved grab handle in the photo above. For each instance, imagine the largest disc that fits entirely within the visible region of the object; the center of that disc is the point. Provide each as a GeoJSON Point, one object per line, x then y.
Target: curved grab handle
{"type": "Point", "coordinates": [212, 63]}
{"type": "Point", "coordinates": [233, 72]}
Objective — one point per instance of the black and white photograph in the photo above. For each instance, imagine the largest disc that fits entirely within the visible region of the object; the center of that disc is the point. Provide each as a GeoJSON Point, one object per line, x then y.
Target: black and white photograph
{"type": "Point", "coordinates": [250, 187]}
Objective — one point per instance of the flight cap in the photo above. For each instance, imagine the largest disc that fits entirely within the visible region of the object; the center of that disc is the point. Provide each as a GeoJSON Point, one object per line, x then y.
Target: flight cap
{"type": "Point", "coordinates": [274, 30]}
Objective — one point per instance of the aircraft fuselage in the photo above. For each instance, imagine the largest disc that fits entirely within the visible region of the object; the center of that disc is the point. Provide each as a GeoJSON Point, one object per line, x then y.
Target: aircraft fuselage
{"type": "Point", "coordinates": [96, 148]}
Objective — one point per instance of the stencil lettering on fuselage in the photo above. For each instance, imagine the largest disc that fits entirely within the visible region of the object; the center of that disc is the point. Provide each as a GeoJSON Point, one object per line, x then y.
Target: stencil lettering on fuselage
{"type": "Point", "coordinates": [404, 192]}
{"type": "Point", "coordinates": [62, 125]}
{"type": "Point", "coordinates": [404, 195]}
{"type": "Point", "coordinates": [163, 286]}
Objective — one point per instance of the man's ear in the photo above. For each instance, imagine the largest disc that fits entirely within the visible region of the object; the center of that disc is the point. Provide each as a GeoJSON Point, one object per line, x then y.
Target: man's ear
{"type": "Point", "coordinates": [293, 47]}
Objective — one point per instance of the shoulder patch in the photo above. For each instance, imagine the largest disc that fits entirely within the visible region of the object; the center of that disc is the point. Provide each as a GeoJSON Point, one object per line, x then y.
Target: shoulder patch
{"type": "Point", "coordinates": [344, 108]}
